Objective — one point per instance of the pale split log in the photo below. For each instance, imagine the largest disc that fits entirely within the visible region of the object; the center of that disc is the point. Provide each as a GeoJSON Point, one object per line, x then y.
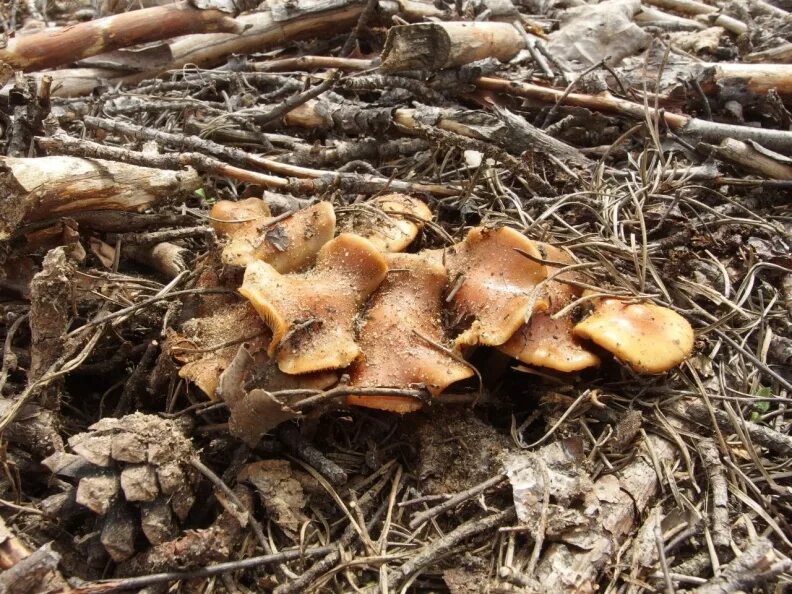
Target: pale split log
{"type": "Point", "coordinates": [657, 17]}
{"type": "Point", "coordinates": [752, 158]}
{"type": "Point", "coordinates": [437, 46]}
{"type": "Point", "coordinates": [56, 47]}
{"type": "Point", "coordinates": [759, 78]}
{"type": "Point", "coordinates": [412, 10]}
{"type": "Point", "coordinates": [782, 53]}
{"type": "Point", "coordinates": [623, 496]}
{"type": "Point", "coordinates": [260, 30]}
{"type": "Point", "coordinates": [691, 7]}
{"type": "Point", "coordinates": [42, 187]}
{"type": "Point", "coordinates": [166, 258]}
{"type": "Point", "coordinates": [704, 12]}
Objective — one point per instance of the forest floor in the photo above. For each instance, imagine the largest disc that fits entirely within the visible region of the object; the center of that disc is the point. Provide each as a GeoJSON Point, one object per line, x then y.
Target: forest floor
{"type": "Point", "coordinates": [148, 442]}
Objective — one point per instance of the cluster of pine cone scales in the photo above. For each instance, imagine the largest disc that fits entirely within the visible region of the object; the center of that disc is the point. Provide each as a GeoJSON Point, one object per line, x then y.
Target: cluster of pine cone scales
{"type": "Point", "coordinates": [353, 301]}
{"type": "Point", "coordinates": [134, 474]}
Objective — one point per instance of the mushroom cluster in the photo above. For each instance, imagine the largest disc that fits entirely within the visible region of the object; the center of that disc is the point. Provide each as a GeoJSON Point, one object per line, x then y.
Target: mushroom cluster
{"type": "Point", "coordinates": [354, 302]}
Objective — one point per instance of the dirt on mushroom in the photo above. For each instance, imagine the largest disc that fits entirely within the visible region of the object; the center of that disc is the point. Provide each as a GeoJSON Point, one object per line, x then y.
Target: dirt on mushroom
{"type": "Point", "coordinates": [377, 296]}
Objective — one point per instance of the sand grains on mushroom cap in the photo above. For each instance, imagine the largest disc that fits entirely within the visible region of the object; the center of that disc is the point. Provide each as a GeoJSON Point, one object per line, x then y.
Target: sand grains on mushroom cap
{"type": "Point", "coordinates": [403, 320]}
{"type": "Point", "coordinates": [229, 217]}
{"type": "Point", "coordinates": [495, 284]}
{"type": "Point", "coordinates": [312, 314]}
{"type": "Point", "coordinates": [288, 243]}
{"type": "Point", "coordinates": [547, 342]}
{"type": "Point", "coordinates": [647, 337]}
{"type": "Point", "coordinates": [206, 345]}
{"type": "Point", "coordinates": [393, 223]}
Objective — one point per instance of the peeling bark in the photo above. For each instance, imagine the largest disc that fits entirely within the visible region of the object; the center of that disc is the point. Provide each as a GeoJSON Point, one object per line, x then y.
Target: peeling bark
{"type": "Point", "coordinates": [43, 187]}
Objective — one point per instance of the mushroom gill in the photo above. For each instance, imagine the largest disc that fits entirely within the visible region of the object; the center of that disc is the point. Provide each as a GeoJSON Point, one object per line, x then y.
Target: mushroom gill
{"type": "Point", "coordinates": [647, 337]}
{"type": "Point", "coordinates": [548, 342]}
{"type": "Point", "coordinates": [396, 338]}
{"type": "Point", "coordinates": [312, 314]}
{"type": "Point", "coordinates": [287, 243]}
{"type": "Point", "coordinates": [493, 284]}
{"type": "Point", "coordinates": [394, 228]}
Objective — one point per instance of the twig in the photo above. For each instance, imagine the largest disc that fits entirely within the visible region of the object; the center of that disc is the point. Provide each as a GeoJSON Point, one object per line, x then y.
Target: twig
{"type": "Point", "coordinates": [438, 547]}
{"type": "Point", "coordinates": [363, 19]}
{"type": "Point", "coordinates": [455, 500]}
{"type": "Point", "coordinates": [306, 181]}
{"type": "Point", "coordinates": [135, 583]}
{"type": "Point", "coordinates": [289, 435]}
{"type": "Point", "coordinates": [241, 509]}
{"type": "Point", "coordinates": [758, 563]}
{"type": "Point", "coordinates": [296, 100]}
{"type": "Point", "coordinates": [721, 530]}
{"type": "Point", "coordinates": [768, 437]}
{"type": "Point", "coordinates": [155, 237]}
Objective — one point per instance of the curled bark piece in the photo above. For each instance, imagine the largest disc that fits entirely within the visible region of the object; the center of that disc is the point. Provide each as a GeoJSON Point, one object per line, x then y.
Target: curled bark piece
{"type": "Point", "coordinates": [288, 244]}
{"type": "Point", "coordinates": [43, 187]}
{"type": "Point", "coordinates": [403, 219]}
{"type": "Point", "coordinates": [255, 412]}
{"type": "Point", "coordinates": [51, 48]}
{"type": "Point", "coordinates": [647, 337]}
{"type": "Point", "coordinates": [436, 46]}
{"type": "Point", "coordinates": [494, 287]}
{"type": "Point", "coordinates": [403, 316]}
{"type": "Point", "coordinates": [312, 314]}
{"type": "Point", "coordinates": [549, 342]}
{"type": "Point", "coordinates": [572, 563]}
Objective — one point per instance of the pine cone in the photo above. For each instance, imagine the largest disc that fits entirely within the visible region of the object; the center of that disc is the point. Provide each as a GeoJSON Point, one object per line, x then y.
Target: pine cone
{"type": "Point", "coordinates": [133, 472]}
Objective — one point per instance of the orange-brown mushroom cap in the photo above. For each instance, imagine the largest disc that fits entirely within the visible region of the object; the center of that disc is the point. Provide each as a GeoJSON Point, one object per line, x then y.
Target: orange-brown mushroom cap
{"type": "Point", "coordinates": [287, 244]}
{"type": "Point", "coordinates": [499, 285]}
{"type": "Point", "coordinates": [403, 219]}
{"type": "Point", "coordinates": [230, 217]}
{"type": "Point", "coordinates": [647, 337]}
{"type": "Point", "coordinates": [546, 342]}
{"type": "Point", "coordinates": [312, 314]}
{"type": "Point", "coordinates": [402, 313]}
